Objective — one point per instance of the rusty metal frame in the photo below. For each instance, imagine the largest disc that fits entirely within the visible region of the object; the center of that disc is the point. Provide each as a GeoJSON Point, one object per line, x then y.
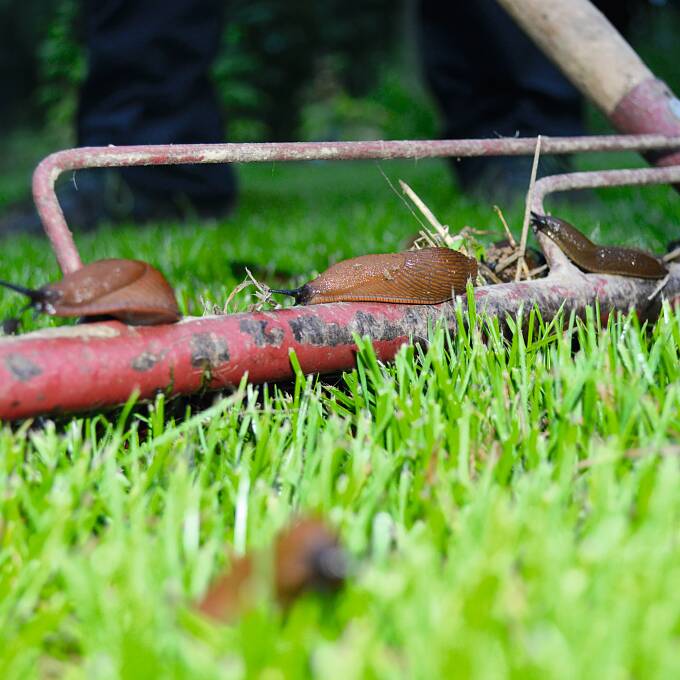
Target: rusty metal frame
{"type": "Point", "coordinates": [70, 369]}
{"type": "Point", "coordinates": [50, 168]}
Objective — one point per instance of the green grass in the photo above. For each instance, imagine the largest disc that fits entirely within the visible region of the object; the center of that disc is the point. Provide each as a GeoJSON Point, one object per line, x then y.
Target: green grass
{"type": "Point", "coordinates": [511, 505]}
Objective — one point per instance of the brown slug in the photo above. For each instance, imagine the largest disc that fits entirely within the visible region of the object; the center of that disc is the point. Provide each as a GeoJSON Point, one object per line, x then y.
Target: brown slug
{"type": "Point", "coordinates": [306, 556]}
{"type": "Point", "coordinates": [129, 290]}
{"type": "Point", "coordinates": [415, 277]}
{"type": "Point", "coordinates": [598, 259]}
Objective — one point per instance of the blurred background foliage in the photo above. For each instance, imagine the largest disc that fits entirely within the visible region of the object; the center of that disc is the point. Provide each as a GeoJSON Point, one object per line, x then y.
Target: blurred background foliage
{"type": "Point", "coordinates": [285, 71]}
{"type": "Point", "coordinates": [293, 70]}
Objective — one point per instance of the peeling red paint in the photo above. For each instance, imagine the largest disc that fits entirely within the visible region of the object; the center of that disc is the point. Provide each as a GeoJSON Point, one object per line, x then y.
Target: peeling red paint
{"type": "Point", "coordinates": [102, 364]}
{"type": "Point", "coordinates": [66, 374]}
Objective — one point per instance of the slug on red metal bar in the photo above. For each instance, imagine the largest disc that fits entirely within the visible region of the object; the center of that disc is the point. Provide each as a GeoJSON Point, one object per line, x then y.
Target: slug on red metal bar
{"type": "Point", "coordinates": [129, 290]}
{"type": "Point", "coordinates": [598, 259]}
{"type": "Point", "coordinates": [306, 556]}
{"type": "Point", "coordinates": [415, 277]}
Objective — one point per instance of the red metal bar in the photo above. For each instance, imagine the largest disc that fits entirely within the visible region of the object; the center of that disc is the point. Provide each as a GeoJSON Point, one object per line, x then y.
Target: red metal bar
{"type": "Point", "coordinates": [85, 367]}
{"type": "Point", "coordinates": [51, 167]}
{"type": "Point", "coordinates": [63, 370]}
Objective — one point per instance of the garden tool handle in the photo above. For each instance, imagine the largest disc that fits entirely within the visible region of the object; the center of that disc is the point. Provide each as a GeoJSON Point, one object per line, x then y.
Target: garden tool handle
{"type": "Point", "coordinates": [602, 65]}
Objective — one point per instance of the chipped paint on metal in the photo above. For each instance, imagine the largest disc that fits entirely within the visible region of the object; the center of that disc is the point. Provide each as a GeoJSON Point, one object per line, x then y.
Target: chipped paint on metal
{"type": "Point", "coordinates": [261, 335]}
{"type": "Point", "coordinates": [146, 361]}
{"type": "Point", "coordinates": [309, 329]}
{"type": "Point", "coordinates": [208, 351]}
{"type": "Point", "coordinates": [21, 367]}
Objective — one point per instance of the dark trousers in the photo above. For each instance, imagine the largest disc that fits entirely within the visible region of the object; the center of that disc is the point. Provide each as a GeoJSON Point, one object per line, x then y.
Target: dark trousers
{"type": "Point", "coordinates": [490, 79]}
{"type": "Point", "coordinates": [148, 83]}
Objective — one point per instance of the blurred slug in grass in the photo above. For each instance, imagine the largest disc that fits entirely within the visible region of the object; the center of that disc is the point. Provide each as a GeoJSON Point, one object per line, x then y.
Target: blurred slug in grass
{"type": "Point", "coordinates": [305, 557]}
{"type": "Point", "coordinates": [598, 259]}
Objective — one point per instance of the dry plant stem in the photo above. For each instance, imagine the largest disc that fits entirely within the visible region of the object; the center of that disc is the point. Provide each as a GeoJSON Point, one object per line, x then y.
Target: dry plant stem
{"type": "Point", "coordinates": [508, 233]}
{"type": "Point", "coordinates": [440, 234]}
{"type": "Point", "coordinates": [51, 167]}
{"type": "Point", "coordinates": [488, 273]}
{"type": "Point", "coordinates": [525, 269]}
{"type": "Point", "coordinates": [263, 293]}
{"type": "Point", "coordinates": [420, 204]}
{"type": "Point", "coordinates": [659, 288]}
{"type": "Point", "coordinates": [521, 264]}
{"type": "Point", "coordinates": [424, 240]}
{"type": "Point", "coordinates": [241, 286]}
{"type": "Point", "coordinates": [261, 288]}
{"type": "Point", "coordinates": [507, 261]}
{"type": "Point", "coordinates": [673, 255]}
{"type": "Point", "coordinates": [538, 270]}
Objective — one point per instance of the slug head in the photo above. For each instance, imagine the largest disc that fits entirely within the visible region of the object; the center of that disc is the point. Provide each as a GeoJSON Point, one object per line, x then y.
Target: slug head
{"type": "Point", "coordinates": [301, 295]}
{"type": "Point", "coordinates": [551, 226]}
{"type": "Point", "coordinates": [573, 243]}
{"type": "Point", "coordinates": [41, 299]}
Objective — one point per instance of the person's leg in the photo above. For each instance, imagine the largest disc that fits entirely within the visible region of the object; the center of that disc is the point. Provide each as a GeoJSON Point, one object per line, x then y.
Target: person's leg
{"type": "Point", "coordinates": [479, 63]}
{"type": "Point", "coordinates": [489, 79]}
{"type": "Point", "coordinates": [148, 83]}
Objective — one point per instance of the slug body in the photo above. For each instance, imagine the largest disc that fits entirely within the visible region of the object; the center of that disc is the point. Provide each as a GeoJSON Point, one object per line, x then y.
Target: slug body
{"type": "Point", "coordinates": [304, 557]}
{"type": "Point", "coordinates": [129, 290]}
{"type": "Point", "coordinates": [416, 277]}
{"type": "Point", "coordinates": [598, 259]}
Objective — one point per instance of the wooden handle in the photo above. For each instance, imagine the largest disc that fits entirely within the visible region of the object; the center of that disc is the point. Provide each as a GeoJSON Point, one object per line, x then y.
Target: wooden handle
{"type": "Point", "coordinates": [584, 45]}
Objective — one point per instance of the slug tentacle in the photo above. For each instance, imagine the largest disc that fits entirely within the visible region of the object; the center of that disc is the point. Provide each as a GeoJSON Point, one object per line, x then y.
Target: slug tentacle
{"type": "Point", "coordinates": [31, 293]}
{"type": "Point", "coordinates": [296, 293]}
{"type": "Point", "coordinates": [598, 259]}
{"type": "Point", "coordinates": [39, 299]}
{"type": "Point", "coordinates": [427, 276]}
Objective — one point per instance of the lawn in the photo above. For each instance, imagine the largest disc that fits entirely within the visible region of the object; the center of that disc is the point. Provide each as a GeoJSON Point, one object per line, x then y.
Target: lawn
{"type": "Point", "coordinates": [510, 505]}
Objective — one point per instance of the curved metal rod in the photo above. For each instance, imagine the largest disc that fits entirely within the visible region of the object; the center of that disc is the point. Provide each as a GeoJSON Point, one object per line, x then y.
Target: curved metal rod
{"type": "Point", "coordinates": [545, 186]}
{"type": "Point", "coordinates": [50, 168]}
